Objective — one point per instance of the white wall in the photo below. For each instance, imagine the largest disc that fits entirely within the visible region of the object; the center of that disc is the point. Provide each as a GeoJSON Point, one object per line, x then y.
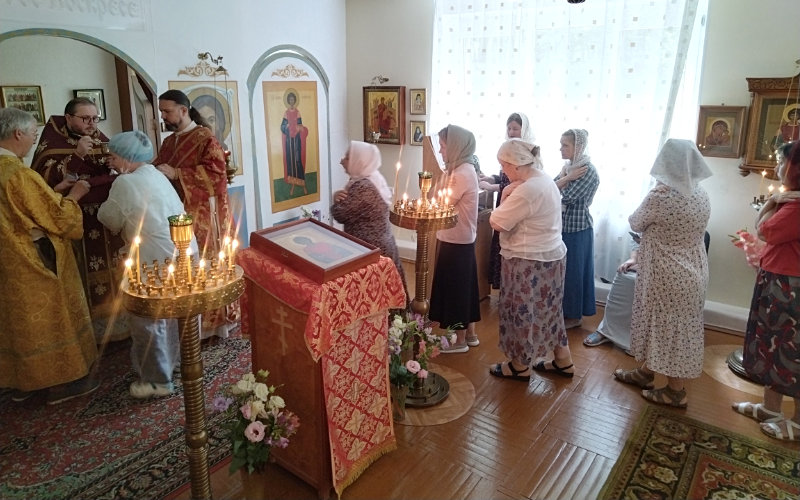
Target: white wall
{"type": "Point", "coordinates": [744, 39]}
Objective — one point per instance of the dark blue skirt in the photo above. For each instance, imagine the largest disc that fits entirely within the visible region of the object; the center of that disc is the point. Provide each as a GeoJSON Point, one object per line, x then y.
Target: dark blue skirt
{"type": "Point", "coordinates": [579, 280]}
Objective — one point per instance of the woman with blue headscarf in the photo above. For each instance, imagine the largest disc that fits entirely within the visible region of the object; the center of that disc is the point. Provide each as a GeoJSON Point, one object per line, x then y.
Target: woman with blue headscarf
{"type": "Point", "coordinates": [138, 204]}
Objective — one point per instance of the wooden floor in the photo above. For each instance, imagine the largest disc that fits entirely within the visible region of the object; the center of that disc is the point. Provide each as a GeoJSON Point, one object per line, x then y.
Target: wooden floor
{"type": "Point", "coordinates": [554, 438]}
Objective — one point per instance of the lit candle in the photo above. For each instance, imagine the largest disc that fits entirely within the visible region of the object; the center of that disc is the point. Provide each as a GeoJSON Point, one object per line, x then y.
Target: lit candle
{"type": "Point", "coordinates": [771, 188]}
{"type": "Point", "coordinates": [396, 173]}
{"type": "Point", "coordinates": [405, 200]}
{"type": "Point", "coordinates": [189, 264]}
{"type": "Point", "coordinates": [234, 245]}
{"type": "Point", "coordinates": [136, 242]}
{"type": "Point", "coordinates": [128, 265]}
{"type": "Point", "coordinates": [202, 273]}
{"type": "Point", "coordinates": [171, 274]}
{"type": "Point", "coordinates": [226, 243]}
{"type": "Point", "coordinates": [782, 188]}
{"type": "Point", "coordinates": [221, 258]}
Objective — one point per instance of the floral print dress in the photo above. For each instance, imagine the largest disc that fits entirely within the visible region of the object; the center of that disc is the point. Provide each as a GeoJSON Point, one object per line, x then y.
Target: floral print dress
{"type": "Point", "coordinates": [667, 320]}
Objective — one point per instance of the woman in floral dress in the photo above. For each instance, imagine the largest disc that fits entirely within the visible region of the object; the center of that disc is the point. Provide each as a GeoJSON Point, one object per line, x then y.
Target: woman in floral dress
{"type": "Point", "coordinates": [667, 321]}
{"type": "Point", "coordinates": [771, 349]}
{"type": "Point", "coordinates": [533, 268]}
{"type": "Point", "coordinates": [363, 205]}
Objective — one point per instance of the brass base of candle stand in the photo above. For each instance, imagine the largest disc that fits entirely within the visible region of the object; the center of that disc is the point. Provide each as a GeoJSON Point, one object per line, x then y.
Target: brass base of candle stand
{"type": "Point", "coordinates": [186, 309]}
{"type": "Point", "coordinates": [433, 390]}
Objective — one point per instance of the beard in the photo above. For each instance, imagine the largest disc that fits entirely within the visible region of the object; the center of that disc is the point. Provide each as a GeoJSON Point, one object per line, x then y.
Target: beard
{"type": "Point", "coordinates": [172, 127]}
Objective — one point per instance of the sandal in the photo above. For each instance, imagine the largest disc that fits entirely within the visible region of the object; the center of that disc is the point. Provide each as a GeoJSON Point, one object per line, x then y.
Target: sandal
{"type": "Point", "coordinates": [497, 371]}
{"type": "Point", "coordinates": [635, 377]}
{"type": "Point", "coordinates": [595, 339]}
{"type": "Point", "coordinates": [752, 410]}
{"type": "Point", "coordinates": [539, 367]}
{"type": "Point", "coordinates": [666, 396]}
{"type": "Point", "coordinates": [773, 430]}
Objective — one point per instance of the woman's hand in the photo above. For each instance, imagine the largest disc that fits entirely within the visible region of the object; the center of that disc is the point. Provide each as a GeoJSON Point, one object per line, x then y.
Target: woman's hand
{"type": "Point", "coordinates": [631, 264]}
{"type": "Point", "coordinates": [167, 170]}
{"type": "Point", "coordinates": [576, 174]}
{"type": "Point", "coordinates": [78, 190]}
{"type": "Point", "coordinates": [339, 196]}
{"type": "Point", "coordinates": [487, 186]}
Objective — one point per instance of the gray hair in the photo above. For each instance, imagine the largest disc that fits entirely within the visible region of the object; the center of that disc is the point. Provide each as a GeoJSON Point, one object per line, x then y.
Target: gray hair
{"type": "Point", "coordinates": [13, 119]}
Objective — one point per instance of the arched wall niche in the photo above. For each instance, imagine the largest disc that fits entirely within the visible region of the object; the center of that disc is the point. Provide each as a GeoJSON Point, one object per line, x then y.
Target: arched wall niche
{"type": "Point", "coordinates": [279, 53]}
{"type": "Point", "coordinates": [83, 38]}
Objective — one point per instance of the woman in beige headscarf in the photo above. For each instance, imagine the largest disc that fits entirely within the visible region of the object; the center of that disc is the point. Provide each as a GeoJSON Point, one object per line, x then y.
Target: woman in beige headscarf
{"type": "Point", "coordinates": [363, 205]}
{"type": "Point", "coordinates": [534, 263]}
{"type": "Point", "coordinates": [667, 320]}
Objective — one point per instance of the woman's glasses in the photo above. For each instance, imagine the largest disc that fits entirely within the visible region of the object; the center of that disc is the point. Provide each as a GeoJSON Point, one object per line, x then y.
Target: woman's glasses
{"type": "Point", "coordinates": [88, 119]}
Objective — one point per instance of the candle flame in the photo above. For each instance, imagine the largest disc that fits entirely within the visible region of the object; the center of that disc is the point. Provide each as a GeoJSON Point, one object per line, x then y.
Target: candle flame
{"type": "Point", "coordinates": [398, 166]}
{"type": "Point", "coordinates": [763, 173]}
{"type": "Point", "coordinates": [202, 262]}
{"type": "Point", "coordinates": [171, 268]}
{"type": "Point", "coordinates": [129, 263]}
{"type": "Point", "coordinates": [235, 244]}
{"type": "Point", "coordinates": [771, 188]}
{"type": "Point", "coordinates": [137, 240]}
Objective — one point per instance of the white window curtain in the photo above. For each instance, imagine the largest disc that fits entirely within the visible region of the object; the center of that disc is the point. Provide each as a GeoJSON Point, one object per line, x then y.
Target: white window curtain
{"type": "Point", "coordinates": [612, 67]}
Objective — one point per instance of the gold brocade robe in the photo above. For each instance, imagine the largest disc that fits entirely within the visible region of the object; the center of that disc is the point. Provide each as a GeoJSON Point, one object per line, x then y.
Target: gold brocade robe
{"type": "Point", "coordinates": [46, 335]}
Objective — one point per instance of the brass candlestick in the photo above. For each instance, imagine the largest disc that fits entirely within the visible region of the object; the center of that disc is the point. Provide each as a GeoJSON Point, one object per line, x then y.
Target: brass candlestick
{"type": "Point", "coordinates": [158, 293]}
{"type": "Point", "coordinates": [424, 216]}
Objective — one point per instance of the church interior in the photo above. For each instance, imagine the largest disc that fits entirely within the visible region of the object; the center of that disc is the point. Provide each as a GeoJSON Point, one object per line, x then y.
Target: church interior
{"type": "Point", "coordinates": [550, 438]}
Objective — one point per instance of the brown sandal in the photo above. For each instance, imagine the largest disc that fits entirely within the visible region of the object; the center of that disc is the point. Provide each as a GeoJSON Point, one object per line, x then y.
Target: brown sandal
{"type": "Point", "coordinates": [666, 396]}
{"type": "Point", "coordinates": [635, 377]}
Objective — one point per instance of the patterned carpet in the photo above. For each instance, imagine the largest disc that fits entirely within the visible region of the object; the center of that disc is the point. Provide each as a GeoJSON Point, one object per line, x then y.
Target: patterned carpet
{"type": "Point", "coordinates": [673, 456]}
{"type": "Point", "coordinates": [109, 445]}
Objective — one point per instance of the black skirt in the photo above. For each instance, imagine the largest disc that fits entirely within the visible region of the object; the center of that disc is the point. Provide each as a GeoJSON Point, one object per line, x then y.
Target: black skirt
{"type": "Point", "coordinates": [454, 294]}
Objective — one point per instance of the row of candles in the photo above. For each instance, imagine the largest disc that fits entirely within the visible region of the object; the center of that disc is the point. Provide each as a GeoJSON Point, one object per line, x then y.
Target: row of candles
{"type": "Point", "coordinates": [424, 208]}
{"type": "Point", "coordinates": [184, 275]}
{"type": "Point", "coordinates": [758, 201]}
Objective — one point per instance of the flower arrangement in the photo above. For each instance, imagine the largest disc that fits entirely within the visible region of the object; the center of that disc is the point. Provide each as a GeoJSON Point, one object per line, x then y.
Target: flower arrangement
{"type": "Point", "coordinates": [258, 421]}
{"type": "Point", "coordinates": [752, 246]}
{"type": "Point", "coordinates": [411, 344]}
{"type": "Point", "coordinates": [313, 214]}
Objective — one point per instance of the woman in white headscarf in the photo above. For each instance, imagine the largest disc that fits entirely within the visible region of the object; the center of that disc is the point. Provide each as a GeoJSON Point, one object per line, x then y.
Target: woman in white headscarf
{"type": "Point", "coordinates": [363, 205]}
{"type": "Point", "coordinates": [517, 126]}
{"type": "Point", "coordinates": [454, 292]}
{"type": "Point", "coordinates": [578, 182]}
{"type": "Point", "coordinates": [667, 319]}
{"type": "Point", "coordinates": [534, 255]}
{"type": "Point", "coordinates": [139, 203]}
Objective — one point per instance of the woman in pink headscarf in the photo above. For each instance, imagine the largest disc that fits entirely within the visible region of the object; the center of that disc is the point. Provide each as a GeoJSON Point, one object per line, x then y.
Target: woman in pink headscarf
{"type": "Point", "coordinates": [363, 205]}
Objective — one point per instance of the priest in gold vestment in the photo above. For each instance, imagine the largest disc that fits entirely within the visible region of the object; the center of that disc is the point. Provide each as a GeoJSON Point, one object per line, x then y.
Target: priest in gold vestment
{"type": "Point", "coordinates": [46, 337]}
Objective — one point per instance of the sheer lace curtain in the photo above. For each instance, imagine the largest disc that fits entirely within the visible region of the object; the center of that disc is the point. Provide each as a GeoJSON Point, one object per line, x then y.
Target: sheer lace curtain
{"type": "Point", "coordinates": [613, 67]}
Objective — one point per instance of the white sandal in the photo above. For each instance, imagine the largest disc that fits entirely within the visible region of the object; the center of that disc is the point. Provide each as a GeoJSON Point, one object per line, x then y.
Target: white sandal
{"type": "Point", "coordinates": [742, 408]}
{"type": "Point", "coordinates": [772, 429]}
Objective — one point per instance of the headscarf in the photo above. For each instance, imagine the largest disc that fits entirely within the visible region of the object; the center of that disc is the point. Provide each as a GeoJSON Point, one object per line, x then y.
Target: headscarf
{"type": "Point", "coordinates": [526, 133]}
{"type": "Point", "coordinates": [134, 146]}
{"type": "Point", "coordinates": [579, 158]}
{"type": "Point", "coordinates": [680, 166]}
{"type": "Point", "coordinates": [518, 152]}
{"type": "Point", "coordinates": [460, 146]}
{"type": "Point", "coordinates": [365, 163]}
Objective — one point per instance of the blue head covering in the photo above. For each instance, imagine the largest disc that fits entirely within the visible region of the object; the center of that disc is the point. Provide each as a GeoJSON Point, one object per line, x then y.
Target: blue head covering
{"type": "Point", "coordinates": [134, 146]}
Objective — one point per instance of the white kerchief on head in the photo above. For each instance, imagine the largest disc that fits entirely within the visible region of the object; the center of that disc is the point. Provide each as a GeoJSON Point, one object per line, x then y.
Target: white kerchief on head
{"type": "Point", "coordinates": [580, 158]}
{"type": "Point", "coordinates": [526, 132]}
{"type": "Point", "coordinates": [365, 163]}
{"type": "Point", "coordinates": [680, 166]}
{"type": "Point", "coordinates": [516, 152]}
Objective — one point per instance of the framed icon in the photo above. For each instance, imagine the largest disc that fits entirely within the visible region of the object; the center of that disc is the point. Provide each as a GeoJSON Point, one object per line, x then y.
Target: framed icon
{"type": "Point", "coordinates": [25, 97]}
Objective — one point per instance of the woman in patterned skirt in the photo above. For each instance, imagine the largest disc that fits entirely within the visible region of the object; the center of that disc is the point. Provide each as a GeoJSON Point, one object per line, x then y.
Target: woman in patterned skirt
{"type": "Point", "coordinates": [363, 205]}
{"type": "Point", "coordinates": [532, 285]}
{"type": "Point", "coordinates": [667, 319]}
{"type": "Point", "coordinates": [771, 348]}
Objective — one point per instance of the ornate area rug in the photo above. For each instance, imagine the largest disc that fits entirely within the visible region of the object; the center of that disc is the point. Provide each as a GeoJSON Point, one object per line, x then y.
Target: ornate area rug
{"type": "Point", "coordinates": [672, 456]}
{"type": "Point", "coordinates": [109, 445]}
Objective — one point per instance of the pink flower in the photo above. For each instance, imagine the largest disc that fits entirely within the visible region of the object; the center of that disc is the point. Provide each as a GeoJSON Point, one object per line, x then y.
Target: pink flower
{"type": "Point", "coordinates": [245, 409]}
{"type": "Point", "coordinates": [255, 431]}
{"type": "Point", "coordinates": [412, 366]}
{"type": "Point", "coordinates": [752, 246]}
{"type": "Point", "coordinates": [422, 374]}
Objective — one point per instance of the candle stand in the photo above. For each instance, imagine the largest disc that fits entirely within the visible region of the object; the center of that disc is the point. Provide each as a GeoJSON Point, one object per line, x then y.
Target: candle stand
{"type": "Point", "coordinates": [424, 216]}
{"type": "Point", "coordinates": [184, 291]}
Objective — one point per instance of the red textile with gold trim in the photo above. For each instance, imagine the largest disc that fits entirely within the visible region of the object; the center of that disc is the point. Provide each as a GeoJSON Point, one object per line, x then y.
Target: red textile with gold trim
{"type": "Point", "coordinates": [347, 329]}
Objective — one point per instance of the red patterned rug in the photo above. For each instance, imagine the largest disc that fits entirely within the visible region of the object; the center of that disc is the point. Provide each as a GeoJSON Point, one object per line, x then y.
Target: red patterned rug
{"type": "Point", "coordinates": [669, 455]}
{"type": "Point", "coordinates": [109, 445]}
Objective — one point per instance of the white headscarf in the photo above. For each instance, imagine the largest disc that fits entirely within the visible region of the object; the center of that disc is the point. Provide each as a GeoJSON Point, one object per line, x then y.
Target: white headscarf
{"type": "Point", "coordinates": [526, 132]}
{"type": "Point", "coordinates": [680, 166]}
{"type": "Point", "coordinates": [365, 163]}
{"type": "Point", "coordinates": [579, 158]}
{"type": "Point", "coordinates": [518, 152]}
